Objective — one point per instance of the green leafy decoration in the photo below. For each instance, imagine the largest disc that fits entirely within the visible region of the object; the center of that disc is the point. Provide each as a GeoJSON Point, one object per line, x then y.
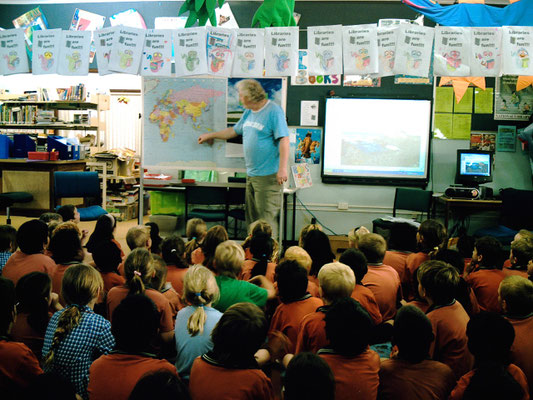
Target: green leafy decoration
{"type": "Point", "coordinates": [274, 13]}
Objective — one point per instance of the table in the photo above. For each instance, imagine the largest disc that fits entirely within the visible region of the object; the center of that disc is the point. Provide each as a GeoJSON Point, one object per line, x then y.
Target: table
{"type": "Point", "coordinates": [451, 204]}
{"type": "Point", "coordinates": [35, 177]}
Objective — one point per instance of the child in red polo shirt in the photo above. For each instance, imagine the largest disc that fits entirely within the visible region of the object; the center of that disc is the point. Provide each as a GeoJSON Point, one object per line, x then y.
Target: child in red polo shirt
{"type": "Point", "coordinates": [296, 302]}
{"type": "Point", "coordinates": [298, 254]}
{"type": "Point", "coordinates": [230, 370]}
{"type": "Point", "coordinates": [173, 251]}
{"type": "Point", "coordinates": [308, 377]}
{"type": "Point", "coordinates": [261, 248]}
{"type": "Point", "coordinates": [354, 366]}
{"type": "Point", "coordinates": [485, 274]}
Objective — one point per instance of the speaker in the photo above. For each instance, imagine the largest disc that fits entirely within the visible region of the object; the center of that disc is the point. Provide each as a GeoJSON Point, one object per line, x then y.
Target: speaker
{"type": "Point", "coordinates": [463, 192]}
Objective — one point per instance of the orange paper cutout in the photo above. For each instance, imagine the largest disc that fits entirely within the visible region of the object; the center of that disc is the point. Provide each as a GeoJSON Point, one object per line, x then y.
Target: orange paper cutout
{"type": "Point", "coordinates": [523, 82]}
{"type": "Point", "coordinates": [460, 84]}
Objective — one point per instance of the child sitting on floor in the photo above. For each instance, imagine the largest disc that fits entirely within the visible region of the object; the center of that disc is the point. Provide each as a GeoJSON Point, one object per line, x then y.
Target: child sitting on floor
{"type": "Point", "coordinates": [8, 243]}
{"type": "Point", "coordinates": [160, 283]}
{"type": "Point", "coordinates": [107, 258]}
{"type": "Point", "coordinates": [205, 254]}
{"type": "Point", "coordinates": [104, 232]}
{"type": "Point", "coordinates": [173, 250]}
{"type": "Point", "coordinates": [301, 256]}
{"type": "Point", "coordinates": [317, 245]}
{"type": "Point", "coordinates": [260, 226]}
{"type": "Point", "coordinates": [308, 377]}
{"type": "Point", "coordinates": [195, 232]}
{"type": "Point", "coordinates": [521, 253]}
{"type": "Point", "coordinates": [261, 248]}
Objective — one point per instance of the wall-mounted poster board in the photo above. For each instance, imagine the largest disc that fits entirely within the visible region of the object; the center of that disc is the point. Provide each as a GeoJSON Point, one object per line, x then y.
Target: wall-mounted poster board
{"type": "Point", "coordinates": [176, 112]}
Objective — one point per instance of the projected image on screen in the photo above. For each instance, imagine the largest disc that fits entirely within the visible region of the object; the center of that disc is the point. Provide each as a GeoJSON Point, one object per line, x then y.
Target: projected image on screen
{"type": "Point", "coordinates": [376, 139]}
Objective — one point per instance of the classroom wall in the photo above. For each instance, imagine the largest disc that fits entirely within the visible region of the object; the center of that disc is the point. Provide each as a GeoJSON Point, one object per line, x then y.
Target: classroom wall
{"type": "Point", "coordinates": [365, 202]}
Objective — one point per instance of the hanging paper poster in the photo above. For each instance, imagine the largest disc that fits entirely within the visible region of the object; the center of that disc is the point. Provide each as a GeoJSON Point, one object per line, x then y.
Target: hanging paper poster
{"type": "Point", "coordinates": [104, 44]}
{"type": "Point", "coordinates": [131, 18]}
{"type": "Point", "coordinates": [517, 47]}
{"type": "Point", "coordinates": [486, 45]}
{"type": "Point", "coordinates": [33, 20]}
{"type": "Point", "coordinates": [510, 104]}
{"type": "Point", "coordinates": [324, 44]}
{"type": "Point", "coordinates": [74, 51]}
{"type": "Point", "coordinates": [157, 53]}
{"type": "Point", "coordinates": [360, 49]}
{"type": "Point", "coordinates": [281, 51]}
{"type": "Point", "coordinates": [249, 53]}
{"type": "Point", "coordinates": [452, 51]}
{"type": "Point", "coordinates": [225, 17]}
{"type": "Point", "coordinates": [386, 50]}
{"type": "Point", "coordinates": [189, 51]}
{"type": "Point", "coordinates": [45, 51]}
{"type": "Point", "coordinates": [219, 51]}
{"type": "Point", "coordinates": [304, 79]}
{"type": "Point", "coordinates": [87, 21]}
{"type": "Point", "coordinates": [127, 50]}
{"type": "Point", "coordinates": [13, 58]}
{"type": "Point", "coordinates": [413, 50]}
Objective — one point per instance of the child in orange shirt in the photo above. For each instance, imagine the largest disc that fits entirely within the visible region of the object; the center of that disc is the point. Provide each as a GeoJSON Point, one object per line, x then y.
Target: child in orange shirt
{"type": "Point", "coordinates": [401, 243]}
{"type": "Point", "coordinates": [173, 252]}
{"type": "Point", "coordinates": [230, 370]}
{"type": "Point", "coordinates": [107, 258]}
{"type": "Point", "coordinates": [521, 253]}
{"type": "Point", "coordinates": [308, 377]}
{"type": "Point", "coordinates": [260, 226]}
{"type": "Point", "coordinates": [317, 245]}
{"type": "Point", "coordinates": [337, 281]}
{"type": "Point", "coordinates": [261, 248]}
{"type": "Point", "coordinates": [354, 366]}
{"type": "Point", "coordinates": [160, 283]}
{"type": "Point", "coordinates": [301, 256]}
{"type": "Point", "coordinates": [296, 302]}
{"type": "Point", "coordinates": [485, 273]}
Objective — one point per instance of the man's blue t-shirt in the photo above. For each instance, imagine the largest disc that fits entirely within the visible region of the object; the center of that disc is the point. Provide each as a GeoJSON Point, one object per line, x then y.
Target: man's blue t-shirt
{"type": "Point", "coordinates": [261, 131]}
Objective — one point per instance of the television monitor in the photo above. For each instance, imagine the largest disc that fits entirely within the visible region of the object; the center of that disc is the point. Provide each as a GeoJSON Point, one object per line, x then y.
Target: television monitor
{"type": "Point", "coordinates": [376, 141]}
{"type": "Point", "coordinates": [474, 167]}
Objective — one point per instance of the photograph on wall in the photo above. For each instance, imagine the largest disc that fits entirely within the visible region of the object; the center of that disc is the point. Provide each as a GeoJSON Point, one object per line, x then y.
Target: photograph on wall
{"type": "Point", "coordinates": [510, 104]}
{"type": "Point", "coordinates": [483, 140]}
{"type": "Point", "coordinates": [506, 139]}
{"type": "Point", "coordinates": [308, 145]}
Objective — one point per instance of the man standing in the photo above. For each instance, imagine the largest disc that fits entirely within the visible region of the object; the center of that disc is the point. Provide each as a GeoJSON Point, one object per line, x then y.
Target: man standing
{"type": "Point", "coordinates": [266, 151]}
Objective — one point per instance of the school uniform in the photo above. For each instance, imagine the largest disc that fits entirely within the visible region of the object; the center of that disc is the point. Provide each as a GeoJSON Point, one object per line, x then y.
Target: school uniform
{"type": "Point", "coordinates": [312, 288]}
{"type": "Point", "coordinates": [57, 279]}
{"type": "Point", "coordinates": [412, 263]}
{"type": "Point", "coordinates": [112, 279]}
{"type": "Point", "coordinates": [485, 283]}
{"type": "Point", "coordinates": [18, 366]}
{"type": "Point", "coordinates": [366, 298]}
{"type": "Point", "coordinates": [20, 264]}
{"type": "Point", "coordinates": [175, 276]}
{"type": "Point", "coordinates": [522, 350]}
{"type": "Point", "coordinates": [397, 260]}
{"type": "Point", "coordinates": [248, 266]}
{"type": "Point", "coordinates": [312, 332]}
{"type": "Point", "coordinates": [22, 332]}
{"type": "Point", "coordinates": [174, 300]}
{"type": "Point", "coordinates": [516, 270]}
{"type": "Point", "coordinates": [384, 282]}
{"type": "Point", "coordinates": [422, 305]}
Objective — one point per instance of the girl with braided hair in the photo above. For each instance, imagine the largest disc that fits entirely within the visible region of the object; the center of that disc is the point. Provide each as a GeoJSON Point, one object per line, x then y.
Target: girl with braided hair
{"type": "Point", "coordinates": [76, 336]}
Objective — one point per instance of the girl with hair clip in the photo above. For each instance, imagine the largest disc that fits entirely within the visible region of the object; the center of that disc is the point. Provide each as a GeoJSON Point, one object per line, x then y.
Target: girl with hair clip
{"type": "Point", "coordinates": [205, 254]}
{"type": "Point", "coordinates": [139, 271]}
{"type": "Point", "coordinates": [76, 336]}
{"type": "Point", "coordinates": [261, 247]}
{"type": "Point", "coordinates": [195, 232]}
{"type": "Point", "coordinates": [104, 232]}
{"type": "Point", "coordinates": [173, 251]}
{"type": "Point", "coordinates": [35, 298]}
{"type": "Point", "coordinates": [196, 321]}
{"type": "Point", "coordinates": [260, 226]}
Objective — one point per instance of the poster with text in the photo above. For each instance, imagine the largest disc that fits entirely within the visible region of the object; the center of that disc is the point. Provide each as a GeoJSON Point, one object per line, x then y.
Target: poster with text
{"type": "Point", "coordinates": [157, 53]}
{"type": "Point", "coordinates": [281, 51]}
{"type": "Point", "coordinates": [386, 49]}
{"type": "Point", "coordinates": [360, 49]}
{"type": "Point", "coordinates": [103, 40]}
{"type": "Point", "coordinates": [508, 103]}
{"type": "Point", "coordinates": [249, 53]}
{"type": "Point", "coordinates": [189, 51]}
{"type": "Point", "coordinates": [303, 78]}
{"type": "Point", "coordinates": [486, 45]}
{"type": "Point", "coordinates": [517, 47]}
{"type": "Point", "coordinates": [87, 21]}
{"type": "Point", "coordinates": [127, 50]}
{"type": "Point", "coordinates": [451, 56]}
{"type": "Point", "coordinates": [324, 44]}
{"type": "Point", "coordinates": [74, 52]}
{"type": "Point", "coordinates": [13, 58]}
{"type": "Point", "coordinates": [413, 50]}
{"type": "Point", "coordinates": [45, 51]}
{"type": "Point", "coordinates": [220, 46]}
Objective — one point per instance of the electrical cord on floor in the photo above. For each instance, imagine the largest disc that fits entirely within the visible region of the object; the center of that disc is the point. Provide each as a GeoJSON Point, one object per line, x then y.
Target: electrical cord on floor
{"type": "Point", "coordinates": [314, 216]}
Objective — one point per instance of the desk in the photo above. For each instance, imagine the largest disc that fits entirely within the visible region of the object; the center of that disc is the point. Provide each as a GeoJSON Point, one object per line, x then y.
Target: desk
{"type": "Point", "coordinates": [35, 177]}
{"type": "Point", "coordinates": [178, 187]}
{"type": "Point", "coordinates": [474, 205]}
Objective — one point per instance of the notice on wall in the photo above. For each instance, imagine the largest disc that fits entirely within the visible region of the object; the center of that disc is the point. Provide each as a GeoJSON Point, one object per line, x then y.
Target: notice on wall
{"type": "Point", "coordinates": [13, 58]}
{"type": "Point", "coordinates": [127, 50]}
{"type": "Point", "coordinates": [325, 49]}
{"type": "Point", "coordinates": [413, 50]}
{"type": "Point", "coordinates": [486, 44]}
{"type": "Point", "coordinates": [360, 44]}
{"type": "Point", "coordinates": [157, 53]}
{"type": "Point", "coordinates": [386, 49]}
{"type": "Point", "coordinates": [45, 51]}
{"type": "Point", "coordinates": [74, 52]}
{"type": "Point", "coordinates": [508, 103]}
{"type": "Point", "coordinates": [104, 43]}
{"type": "Point", "coordinates": [281, 51]}
{"type": "Point", "coordinates": [506, 138]}
{"type": "Point", "coordinates": [189, 51]}
{"type": "Point", "coordinates": [452, 51]}
{"type": "Point", "coordinates": [249, 53]}
{"type": "Point", "coordinates": [220, 45]}
{"type": "Point", "coordinates": [517, 47]}
{"type": "Point", "coordinates": [309, 113]}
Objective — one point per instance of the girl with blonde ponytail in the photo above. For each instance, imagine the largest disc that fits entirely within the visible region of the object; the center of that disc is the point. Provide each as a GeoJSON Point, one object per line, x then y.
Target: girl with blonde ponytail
{"type": "Point", "coordinates": [76, 336]}
{"type": "Point", "coordinates": [195, 322]}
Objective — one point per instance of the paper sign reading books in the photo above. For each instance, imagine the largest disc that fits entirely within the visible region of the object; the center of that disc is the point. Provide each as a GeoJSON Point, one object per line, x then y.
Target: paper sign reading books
{"type": "Point", "coordinates": [325, 49]}
{"type": "Point", "coordinates": [103, 41]}
{"type": "Point", "coordinates": [281, 51]}
{"type": "Point", "coordinates": [13, 58]}
{"type": "Point", "coordinates": [413, 50]}
{"type": "Point", "coordinates": [74, 52]}
{"type": "Point", "coordinates": [189, 51]}
{"type": "Point", "coordinates": [517, 47]}
{"type": "Point", "coordinates": [452, 51]}
{"type": "Point", "coordinates": [486, 51]}
{"type": "Point", "coordinates": [360, 49]}
{"type": "Point", "coordinates": [386, 49]}
{"type": "Point", "coordinates": [45, 51]}
{"type": "Point", "coordinates": [157, 53]}
{"type": "Point", "coordinates": [219, 51]}
{"type": "Point", "coordinates": [249, 53]}
{"type": "Point", "coordinates": [127, 50]}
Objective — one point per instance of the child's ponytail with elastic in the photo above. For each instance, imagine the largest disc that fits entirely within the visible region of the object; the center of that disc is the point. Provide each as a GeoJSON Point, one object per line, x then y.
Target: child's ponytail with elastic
{"type": "Point", "coordinates": [172, 250]}
{"type": "Point", "coordinates": [68, 321]}
{"type": "Point", "coordinates": [138, 269]}
{"type": "Point", "coordinates": [199, 290]}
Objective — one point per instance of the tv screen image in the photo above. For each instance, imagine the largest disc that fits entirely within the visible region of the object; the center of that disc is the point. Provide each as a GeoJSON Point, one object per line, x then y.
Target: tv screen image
{"type": "Point", "coordinates": [473, 167]}
{"type": "Point", "coordinates": [376, 141]}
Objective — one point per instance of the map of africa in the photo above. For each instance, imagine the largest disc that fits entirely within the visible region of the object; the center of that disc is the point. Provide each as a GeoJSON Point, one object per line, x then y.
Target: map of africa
{"type": "Point", "coordinates": [177, 111]}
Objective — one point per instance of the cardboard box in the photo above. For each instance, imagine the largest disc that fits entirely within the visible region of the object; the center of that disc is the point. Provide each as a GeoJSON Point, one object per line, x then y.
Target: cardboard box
{"type": "Point", "coordinates": [338, 243]}
{"type": "Point", "coordinates": [124, 212]}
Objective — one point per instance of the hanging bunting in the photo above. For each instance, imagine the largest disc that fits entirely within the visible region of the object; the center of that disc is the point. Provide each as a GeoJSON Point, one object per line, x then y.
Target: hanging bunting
{"type": "Point", "coordinates": [325, 49]}
{"type": "Point", "coordinates": [249, 53]}
{"type": "Point", "coordinates": [74, 50]}
{"type": "Point", "coordinates": [460, 84]}
{"type": "Point", "coordinates": [220, 45]}
{"type": "Point", "coordinates": [413, 50]}
{"type": "Point", "coordinates": [523, 82]}
{"type": "Point", "coordinates": [189, 51]}
{"type": "Point", "coordinates": [45, 51]}
{"type": "Point", "coordinates": [451, 56]}
{"type": "Point", "coordinates": [281, 51]}
{"type": "Point", "coordinates": [360, 50]}
{"type": "Point", "coordinates": [486, 44]}
{"type": "Point", "coordinates": [157, 53]}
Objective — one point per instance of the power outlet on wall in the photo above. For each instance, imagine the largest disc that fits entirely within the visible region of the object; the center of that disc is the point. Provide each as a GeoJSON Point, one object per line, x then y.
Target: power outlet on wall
{"type": "Point", "coordinates": [341, 205]}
